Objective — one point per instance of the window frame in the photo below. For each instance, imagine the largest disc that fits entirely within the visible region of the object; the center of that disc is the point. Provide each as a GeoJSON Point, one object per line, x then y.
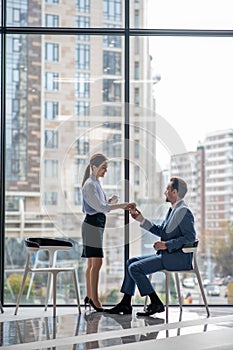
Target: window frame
{"type": "Point", "coordinates": [126, 34]}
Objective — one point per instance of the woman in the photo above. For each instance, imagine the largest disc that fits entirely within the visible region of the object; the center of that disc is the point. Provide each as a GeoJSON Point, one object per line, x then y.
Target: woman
{"type": "Point", "coordinates": [95, 206]}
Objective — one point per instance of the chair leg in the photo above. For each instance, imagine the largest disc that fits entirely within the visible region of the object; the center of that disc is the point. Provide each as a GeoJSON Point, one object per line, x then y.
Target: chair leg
{"type": "Point", "coordinates": [21, 290]}
{"type": "Point", "coordinates": [202, 289]}
{"type": "Point", "coordinates": [54, 292]}
{"type": "Point", "coordinates": [178, 290]}
{"type": "Point", "coordinates": [48, 291]}
{"type": "Point", "coordinates": [167, 294]}
{"type": "Point", "coordinates": [76, 289]}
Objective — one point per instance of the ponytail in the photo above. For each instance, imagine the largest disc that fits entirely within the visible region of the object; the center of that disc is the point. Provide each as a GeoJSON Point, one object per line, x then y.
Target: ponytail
{"type": "Point", "coordinates": [86, 174]}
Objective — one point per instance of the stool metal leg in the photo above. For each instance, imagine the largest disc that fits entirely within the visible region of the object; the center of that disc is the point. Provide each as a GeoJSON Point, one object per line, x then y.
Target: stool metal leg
{"type": "Point", "coordinates": [26, 271]}
{"type": "Point", "coordinates": [74, 274]}
{"type": "Point", "coordinates": [178, 290]}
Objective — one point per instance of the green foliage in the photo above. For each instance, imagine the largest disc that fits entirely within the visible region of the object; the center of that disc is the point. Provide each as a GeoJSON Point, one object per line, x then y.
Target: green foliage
{"type": "Point", "coordinates": [15, 280]}
{"type": "Point", "coordinates": [113, 296]}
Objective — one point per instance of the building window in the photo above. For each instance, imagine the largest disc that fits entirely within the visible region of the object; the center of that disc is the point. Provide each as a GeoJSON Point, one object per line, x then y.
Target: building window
{"type": "Point", "coordinates": [136, 70]}
{"type": "Point", "coordinates": [50, 198]}
{"type": "Point", "coordinates": [51, 139]}
{"type": "Point", "coordinates": [136, 175]}
{"type": "Point", "coordinates": [82, 108]}
{"type": "Point", "coordinates": [112, 10]}
{"type": "Point", "coordinates": [52, 1]}
{"type": "Point", "coordinates": [136, 96]}
{"type": "Point", "coordinates": [82, 6]}
{"type": "Point", "coordinates": [83, 85]}
{"type": "Point", "coordinates": [112, 147]}
{"type": "Point", "coordinates": [112, 111]}
{"type": "Point", "coordinates": [51, 20]}
{"type": "Point", "coordinates": [16, 45]}
{"type": "Point", "coordinates": [15, 75]}
{"type": "Point", "coordinates": [112, 63]}
{"type": "Point", "coordinates": [51, 110]}
{"type": "Point", "coordinates": [136, 46]}
{"type": "Point", "coordinates": [82, 56]}
{"type": "Point", "coordinates": [52, 52]}
{"type": "Point", "coordinates": [82, 146]}
{"type": "Point", "coordinates": [112, 41]}
{"type": "Point", "coordinates": [111, 90]}
{"type": "Point", "coordinates": [136, 19]}
{"type": "Point", "coordinates": [82, 22]}
{"type": "Point", "coordinates": [51, 81]}
{"type": "Point", "coordinates": [78, 196]}
{"type": "Point", "coordinates": [51, 168]}
{"type": "Point", "coordinates": [80, 167]}
{"type": "Point", "coordinates": [136, 149]}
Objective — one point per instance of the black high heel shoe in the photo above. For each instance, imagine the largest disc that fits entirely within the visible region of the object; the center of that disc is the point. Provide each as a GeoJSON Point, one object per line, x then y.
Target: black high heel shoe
{"type": "Point", "coordinates": [87, 302]}
{"type": "Point", "coordinates": [98, 309]}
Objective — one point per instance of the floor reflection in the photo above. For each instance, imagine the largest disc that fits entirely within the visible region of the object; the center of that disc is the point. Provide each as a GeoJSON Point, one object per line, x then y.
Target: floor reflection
{"type": "Point", "coordinates": [98, 330]}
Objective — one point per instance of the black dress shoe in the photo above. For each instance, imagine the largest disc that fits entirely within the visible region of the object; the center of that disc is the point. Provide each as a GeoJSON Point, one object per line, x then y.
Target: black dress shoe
{"type": "Point", "coordinates": [120, 309]}
{"type": "Point", "coordinates": [151, 310]}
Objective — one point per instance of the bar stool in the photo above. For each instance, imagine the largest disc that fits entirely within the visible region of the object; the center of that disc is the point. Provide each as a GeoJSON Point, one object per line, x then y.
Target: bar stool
{"type": "Point", "coordinates": [33, 246]}
{"type": "Point", "coordinates": [187, 248]}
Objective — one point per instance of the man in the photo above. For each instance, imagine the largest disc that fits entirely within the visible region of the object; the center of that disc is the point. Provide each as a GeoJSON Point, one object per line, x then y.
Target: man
{"type": "Point", "coordinates": [176, 230]}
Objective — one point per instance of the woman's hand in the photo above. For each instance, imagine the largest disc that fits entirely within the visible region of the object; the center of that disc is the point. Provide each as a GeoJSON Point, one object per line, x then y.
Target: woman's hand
{"type": "Point", "coordinates": [113, 199]}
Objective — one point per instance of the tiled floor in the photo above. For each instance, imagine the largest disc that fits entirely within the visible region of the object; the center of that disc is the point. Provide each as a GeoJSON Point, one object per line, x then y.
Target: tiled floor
{"type": "Point", "coordinates": [34, 328]}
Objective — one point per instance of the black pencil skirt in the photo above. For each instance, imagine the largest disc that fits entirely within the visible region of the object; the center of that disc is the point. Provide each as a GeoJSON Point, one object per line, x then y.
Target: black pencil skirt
{"type": "Point", "coordinates": [92, 235]}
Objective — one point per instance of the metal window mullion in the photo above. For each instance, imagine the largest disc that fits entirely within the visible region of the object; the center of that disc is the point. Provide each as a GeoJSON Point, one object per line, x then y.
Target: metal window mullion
{"type": "Point", "coordinates": [126, 127]}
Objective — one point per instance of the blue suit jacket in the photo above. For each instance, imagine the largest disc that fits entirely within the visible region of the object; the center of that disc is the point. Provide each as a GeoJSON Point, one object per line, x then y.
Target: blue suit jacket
{"type": "Point", "coordinates": [176, 232]}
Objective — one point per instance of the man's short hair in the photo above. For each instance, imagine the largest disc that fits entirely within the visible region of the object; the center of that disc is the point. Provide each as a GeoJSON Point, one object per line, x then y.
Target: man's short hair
{"type": "Point", "coordinates": [180, 185]}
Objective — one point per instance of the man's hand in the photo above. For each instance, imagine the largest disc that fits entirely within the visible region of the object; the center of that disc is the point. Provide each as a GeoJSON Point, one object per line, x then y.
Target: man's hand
{"type": "Point", "coordinates": [160, 245]}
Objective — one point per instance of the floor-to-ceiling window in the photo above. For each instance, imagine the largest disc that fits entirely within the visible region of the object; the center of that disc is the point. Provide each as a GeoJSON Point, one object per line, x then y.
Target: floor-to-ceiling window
{"type": "Point", "coordinates": [147, 84]}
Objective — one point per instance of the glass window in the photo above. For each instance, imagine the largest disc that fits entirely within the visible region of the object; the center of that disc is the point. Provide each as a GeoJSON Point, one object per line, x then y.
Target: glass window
{"type": "Point", "coordinates": [82, 146]}
{"type": "Point", "coordinates": [51, 109]}
{"type": "Point", "coordinates": [82, 22]}
{"type": "Point", "coordinates": [136, 70]}
{"type": "Point", "coordinates": [78, 196]}
{"type": "Point", "coordinates": [51, 52]}
{"type": "Point", "coordinates": [82, 56]}
{"type": "Point", "coordinates": [83, 85]}
{"type": "Point", "coordinates": [51, 168]}
{"type": "Point", "coordinates": [51, 81]}
{"type": "Point", "coordinates": [83, 6]}
{"type": "Point", "coordinates": [50, 198]}
{"type": "Point", "coordinates": [51, 139]}
{"type": "Point", "coordinates": [52, 1]}
{"type": "Point", "coordinates": [112, 10]}
{"type": "Point", "coordinates": [51, 20]}
{"type": "Point", "coordinates": [111, 63]}
{"type": "Point", "coordinates": [112, 41]}
{"type": "Point", "coordinates": [82, 108]}
{"type": "Point", "coordinates": [73, 87]}
{"type": "Point", "coordinates": [111, 90]}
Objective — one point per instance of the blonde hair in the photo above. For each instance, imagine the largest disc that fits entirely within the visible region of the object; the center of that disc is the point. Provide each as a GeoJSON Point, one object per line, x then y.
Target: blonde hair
{"type": "Point", "coordinates": [97, 159]}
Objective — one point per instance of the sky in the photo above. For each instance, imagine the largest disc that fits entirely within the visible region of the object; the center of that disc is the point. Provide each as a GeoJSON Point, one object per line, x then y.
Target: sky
{"type": "Point", "coordinates": [194, 94]}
